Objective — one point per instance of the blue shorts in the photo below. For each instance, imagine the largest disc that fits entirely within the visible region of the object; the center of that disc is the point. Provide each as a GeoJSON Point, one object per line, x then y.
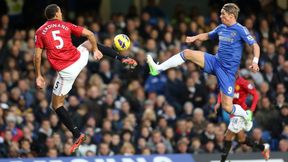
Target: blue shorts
{"type": "Point", "coordinates": [225, 78]}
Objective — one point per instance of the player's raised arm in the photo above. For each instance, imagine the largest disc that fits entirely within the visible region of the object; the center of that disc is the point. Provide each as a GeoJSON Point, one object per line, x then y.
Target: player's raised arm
{"type": "Point", "coordinates": [201, 37]}
{"type": "Point", "coordinates": [248, 38]}
{"type": "Point", "coordinates": [204, 36]}
{"type": "Point", "coordinates": [127, 61]}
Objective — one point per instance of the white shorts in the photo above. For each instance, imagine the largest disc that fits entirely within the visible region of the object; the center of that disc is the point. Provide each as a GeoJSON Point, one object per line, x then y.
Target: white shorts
{"type": "Point", "coordinates": [236, 124]}
{"type": "Point", "coordinates": [66, 77]}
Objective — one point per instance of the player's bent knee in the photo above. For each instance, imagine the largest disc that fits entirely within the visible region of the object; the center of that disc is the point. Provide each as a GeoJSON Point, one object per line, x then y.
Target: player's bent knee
{"type": "Point", "coordinates": [188, 54]}
{"type": "Point", "coordinates": [227, 107]}
{"type": "Point", "coordinates": [196, 57]}
{"type": "Point", "coordinates": [87, 45]}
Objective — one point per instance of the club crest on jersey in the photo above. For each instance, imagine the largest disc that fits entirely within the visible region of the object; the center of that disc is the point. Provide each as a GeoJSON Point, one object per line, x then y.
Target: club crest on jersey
{"type": "Point", "coordinates": [250, 86]}
{"type": "Point", "coordinates": [237, 87]}
{"type": "Point", "coordinates": [233, 34]}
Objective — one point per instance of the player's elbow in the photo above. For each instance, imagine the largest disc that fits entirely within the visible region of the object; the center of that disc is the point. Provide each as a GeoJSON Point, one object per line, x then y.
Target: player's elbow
{"type": "Point", "coordinates": [87, 33]}
{"type": "Point", "coordinates": [256, 47]}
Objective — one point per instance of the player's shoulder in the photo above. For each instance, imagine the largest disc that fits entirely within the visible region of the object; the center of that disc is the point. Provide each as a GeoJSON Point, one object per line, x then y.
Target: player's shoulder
{"type": "Point", "coordinates": [238, 25]}
{"type": "Point", "coordinates": [39, 30]}
{"type": "Point", "coordinates": [220, 26]}
{"type": "Point", "coordinates": [242, 80]}
{"type": "Point", "coordinates": [241, 28]}
{"type": "Point", "coordinates": [69, 24]}
{"type": "Point", "coordinates": [245, 82]}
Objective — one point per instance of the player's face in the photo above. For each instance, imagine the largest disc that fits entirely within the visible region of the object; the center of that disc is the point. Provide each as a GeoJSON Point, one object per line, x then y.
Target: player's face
{"type": "Point", "coordinates": [225, 17]}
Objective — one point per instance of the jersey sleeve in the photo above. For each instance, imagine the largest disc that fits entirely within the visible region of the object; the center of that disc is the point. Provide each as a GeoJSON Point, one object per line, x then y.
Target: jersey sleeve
{"type": "Point", "coordinates": [75, 30]}
{"type": "Point", "coordinates": [250, 89]}
{"type": "Point", "coordinates": [38, 41]}
{"type": "Point", "coordinates": [214, 33]}
{"type": "Point", "coordinates": [246, 36]}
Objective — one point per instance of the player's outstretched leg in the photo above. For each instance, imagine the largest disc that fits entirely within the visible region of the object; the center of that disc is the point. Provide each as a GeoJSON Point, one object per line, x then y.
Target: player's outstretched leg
{"type": "Point", "coordinates": [196, 57]}
{"type": "Point", "coordinates": [153, 67]}
{"type": "Point", "coordinates": [173, 61]}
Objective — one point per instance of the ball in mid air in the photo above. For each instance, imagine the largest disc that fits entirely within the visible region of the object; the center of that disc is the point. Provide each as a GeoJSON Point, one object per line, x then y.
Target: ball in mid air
{"type": "Point", "coordinates": [121, 42]}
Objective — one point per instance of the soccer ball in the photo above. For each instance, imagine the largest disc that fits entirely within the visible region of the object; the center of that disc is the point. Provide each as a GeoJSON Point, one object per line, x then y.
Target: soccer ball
{"type": "Point", "coordinates": [121, 42]}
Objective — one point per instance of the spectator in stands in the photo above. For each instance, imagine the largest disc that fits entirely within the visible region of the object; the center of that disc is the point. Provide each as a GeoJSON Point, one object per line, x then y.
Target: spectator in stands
{"type": "Point", "coordinates": [284, 74]}
{"type": "Point", "coordinates": [283, 145]}
{"type": "Point", "coordinates": [182, 146]}
{"type": "Point", "coordinates": [17, 133]}
{"type": "Point", "coordinates": [195, 147]}
{"type": "Point", "coordinates": [160, 148]}
{"type": "Point", "coordinates": [170, 135]}
{"type": "Point", "coordinates": [284, 115]}
{"type": "Point", "coordinates": [156, 138]}
{"type": "Point", "coordinates": [127, 149]}
{"type": "Point", "coordinates": [104, 150]}
{"type": "Point", "coordinates": [199, 121]}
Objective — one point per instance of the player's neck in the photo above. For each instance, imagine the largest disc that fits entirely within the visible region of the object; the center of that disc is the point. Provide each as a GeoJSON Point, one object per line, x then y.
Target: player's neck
{"type": "Point", "coordinates": [53, 19]}
{"type": "Point", "coordinates": [231, 23]}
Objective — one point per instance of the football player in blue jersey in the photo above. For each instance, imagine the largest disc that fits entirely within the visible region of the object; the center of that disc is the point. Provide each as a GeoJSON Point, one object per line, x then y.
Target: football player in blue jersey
{"type": "Point", "coordinates": [224, 64]}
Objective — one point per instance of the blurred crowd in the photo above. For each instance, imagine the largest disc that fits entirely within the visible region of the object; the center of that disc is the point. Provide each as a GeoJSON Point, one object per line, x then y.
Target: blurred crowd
{"type": "Point", "coordinates": [129, 112]}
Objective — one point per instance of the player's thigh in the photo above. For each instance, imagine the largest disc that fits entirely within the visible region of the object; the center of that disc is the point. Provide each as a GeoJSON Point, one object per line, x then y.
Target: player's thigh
{"type": "Point", "coordinates": [87, 45]}
{"type": "Point", "coordinates": [226, 80]}
{"type": "Point", "coordinates": [241, 136]}
{"type": "Point", "coordinates": [196, 57]}
{"type": "Point", "coordinates": [229, 135]}
{"type": "Point", "coordinates": [63, 83]}
{"type": "Point", "coordinates": [209, 63]}
{"type": "Point", "coordinates": [83, 60]}
{"type": "Point", "coordinates": [66, 77]}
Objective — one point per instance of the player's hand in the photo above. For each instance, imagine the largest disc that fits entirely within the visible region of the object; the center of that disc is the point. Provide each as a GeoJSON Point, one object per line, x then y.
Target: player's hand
{"type": "Point", "coordinates": [129, 63]}
{"type": "Point", "coordinates": [254, 67]}
{"type": "Point", "coordinates": [40, 82]}
{"type": "Point", "coordinates": [97, 55]}
{"type": "Point", "coordinates": [190, 39]}
{"type": "Point", "coordinates": [216, 107]}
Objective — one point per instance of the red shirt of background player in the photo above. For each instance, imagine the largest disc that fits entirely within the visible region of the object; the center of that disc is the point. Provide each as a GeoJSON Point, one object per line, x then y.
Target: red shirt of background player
{"type": "Point", "coordinates": [242, 89]}
{"type": "Point", "coordinates": [55, 37]}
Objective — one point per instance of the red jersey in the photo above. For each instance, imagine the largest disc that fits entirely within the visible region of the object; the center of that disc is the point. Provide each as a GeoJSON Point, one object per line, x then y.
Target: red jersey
{"type": "Point", "coordinates": [242, 89]}
{"type": "Point", "coordinates": [55, 37]}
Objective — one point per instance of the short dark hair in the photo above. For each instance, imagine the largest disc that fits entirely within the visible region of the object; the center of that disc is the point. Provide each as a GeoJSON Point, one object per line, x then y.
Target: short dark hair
{"type": "Point", "coordinates": [50, 11]}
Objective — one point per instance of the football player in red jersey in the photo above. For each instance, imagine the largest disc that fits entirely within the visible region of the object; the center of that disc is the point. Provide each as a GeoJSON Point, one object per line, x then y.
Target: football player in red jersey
{"type": "Point", "coordinates": [236, 126]}
{"type": "Point", "coordinates": [243, 88]}
{"type": "Point", "coordinates": [55, 37]}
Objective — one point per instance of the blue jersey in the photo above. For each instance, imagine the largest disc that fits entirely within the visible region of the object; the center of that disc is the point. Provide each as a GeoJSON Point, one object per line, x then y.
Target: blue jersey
{"type": "Point", "coordinates": [231, 41]}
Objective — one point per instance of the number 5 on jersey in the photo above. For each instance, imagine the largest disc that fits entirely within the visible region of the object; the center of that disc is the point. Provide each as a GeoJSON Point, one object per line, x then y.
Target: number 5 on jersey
{"type": "Point", "coordinates": [57, 38]}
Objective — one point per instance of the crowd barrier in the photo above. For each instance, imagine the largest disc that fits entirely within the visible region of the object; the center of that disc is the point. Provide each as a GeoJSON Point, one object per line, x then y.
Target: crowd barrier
{"type": "Point", "coordinates": [243, 157]}
{"type": "Point", "coordinates": [246, 157]}
{"type": "Point", "coordinates": [117, 158]}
